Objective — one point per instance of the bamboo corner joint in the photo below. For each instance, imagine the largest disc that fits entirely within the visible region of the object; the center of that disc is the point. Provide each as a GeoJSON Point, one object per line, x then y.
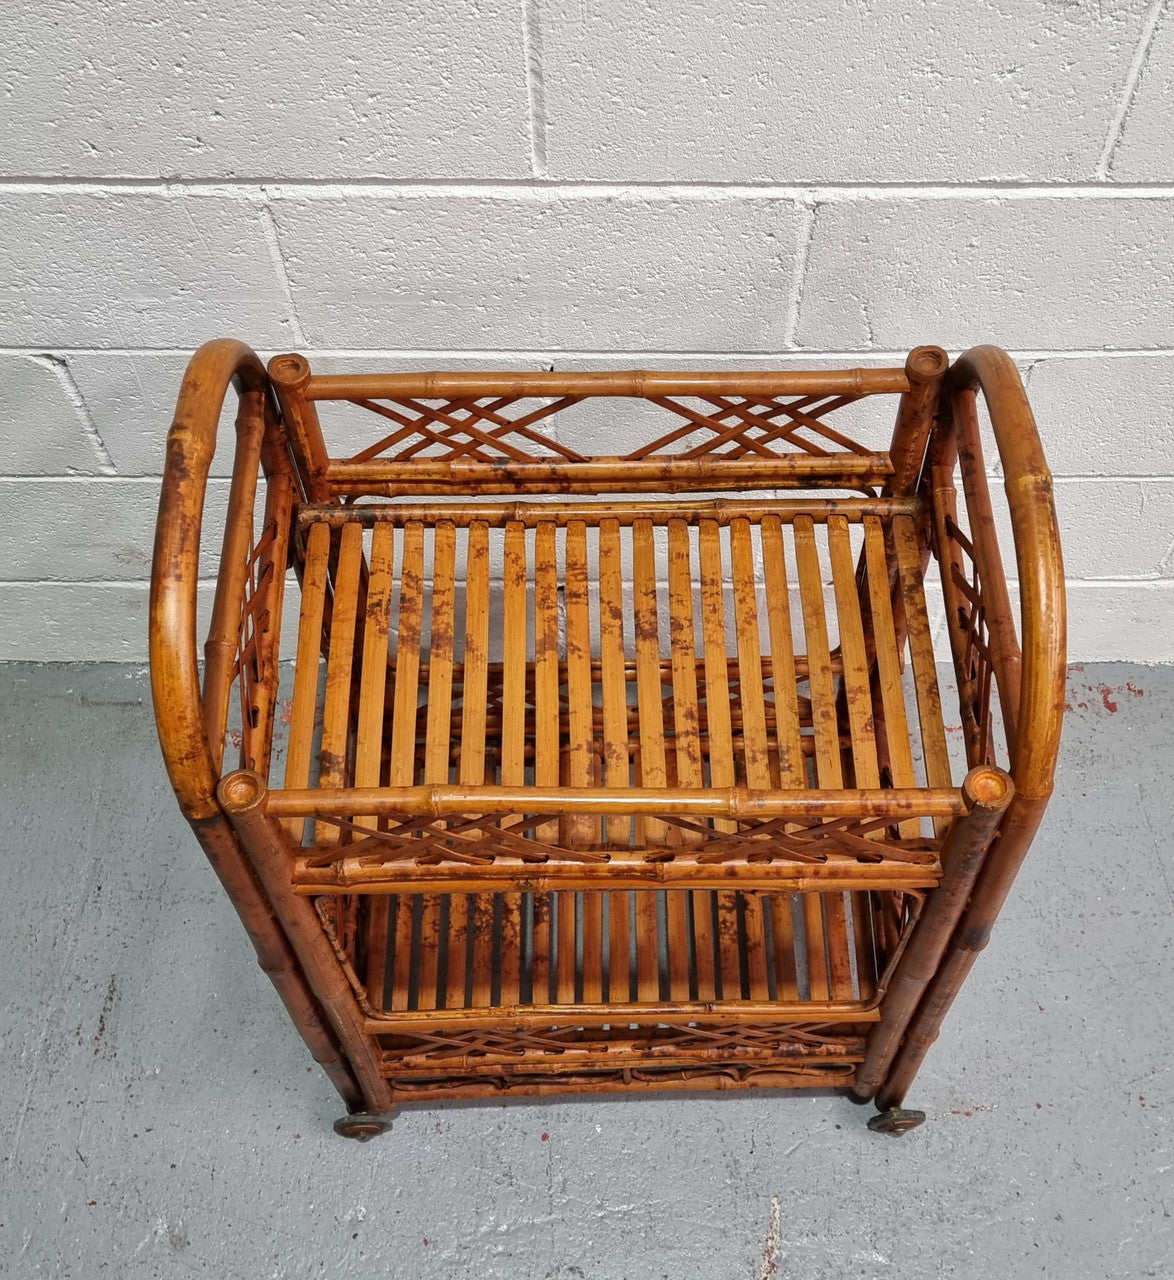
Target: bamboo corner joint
{"type": "Point", "coordinates": [615, 772]}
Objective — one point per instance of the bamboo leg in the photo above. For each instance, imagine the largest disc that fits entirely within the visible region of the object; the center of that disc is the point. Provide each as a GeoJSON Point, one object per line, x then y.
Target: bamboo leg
{"type": "Point", "coordinates": [988, 791]}
{"type": "Point", "coordinates": [242, 795]}
{"type": "Point", "coordinates": [970, 937]}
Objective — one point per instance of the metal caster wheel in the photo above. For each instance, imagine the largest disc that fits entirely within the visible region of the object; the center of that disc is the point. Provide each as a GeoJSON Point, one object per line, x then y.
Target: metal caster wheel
{"type": "Point", "coordinates": [361, 1127]}
{"type": "Point", "coordinates": [896, 1122]}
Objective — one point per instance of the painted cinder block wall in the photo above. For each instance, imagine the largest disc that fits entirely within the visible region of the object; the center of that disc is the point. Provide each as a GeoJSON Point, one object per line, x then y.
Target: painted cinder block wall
{"type": "Point", "coordinates": [537, 182]}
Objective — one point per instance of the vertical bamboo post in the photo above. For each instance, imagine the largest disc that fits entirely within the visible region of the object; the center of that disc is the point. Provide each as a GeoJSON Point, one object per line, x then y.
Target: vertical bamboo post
{"type": "Point", "coordinates": [242, 795]}
{"type": "Point", "coordinates": [924, 367]}
{"type": "Point", "coordinates": [970, 938]}
{"type": "Point", "coordinates": [289, 375]}
{"type": "Point", "coordinates": [988, 792]}
{"type": "Point", "coordinates": [274, 954]}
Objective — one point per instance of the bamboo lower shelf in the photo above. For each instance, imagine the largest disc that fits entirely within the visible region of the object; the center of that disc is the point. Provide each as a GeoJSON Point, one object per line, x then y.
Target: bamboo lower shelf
{"type": "Point", "coordinates": [648, 792]}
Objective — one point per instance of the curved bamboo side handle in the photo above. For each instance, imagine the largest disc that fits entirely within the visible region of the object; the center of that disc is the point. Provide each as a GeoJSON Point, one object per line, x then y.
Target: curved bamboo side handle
{"type": "Point", "coordinates": [1028, 484]}
{"type": "Point", "coordinates": [175, 681]}
{"type": "Point", "coordinates": [1038, 691]}
{"type": "Point", "coordinates": [191, 442]}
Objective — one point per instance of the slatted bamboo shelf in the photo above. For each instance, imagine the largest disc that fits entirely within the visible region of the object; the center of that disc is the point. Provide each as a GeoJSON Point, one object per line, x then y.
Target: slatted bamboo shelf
{"type": "Point", "coordinates": [647, 792]}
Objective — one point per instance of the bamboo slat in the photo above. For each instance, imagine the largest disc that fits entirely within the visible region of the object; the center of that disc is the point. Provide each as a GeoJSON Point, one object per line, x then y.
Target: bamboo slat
{"type": "Point", "coordinates": [856, 664]}
{"type": "Point", "coordinates": [703, 905]}
{"type": "Point", "coordinates": [402, 770]}
{"type": "Point", "coordinates": [677, 942]}
{"type": "Point", "coordinates": [511, 949]}
{"type": "Point", "coordinates": [688, 761]}
{"type": "Point", "coordinates": [546, 670]}
{"type": "Point", "coordinates": [305, 694]}
{"type": "Point", "coordinates": [369, 732]}
{"type": "Point", "coordinates": [475, 674]}
{"type": "Point", "coordinates": [717, 687]}
{"type": "Point", "coordinates": [756, 755]}
{"type": "Point", "coordinates": [565, 979]}
{"type": "Point", "coordinates": [755, 926]}
{"type": "Point", "coordinates": [513, 689]}
{"type": "Point", "coordinates": [541, 934]}
{"type": "Point", "coordinates": [686, 717]}
{"type": "Point", "coordinates": [729, 945]}
{"type": "Point", "coordinates": [888, 663]}
{"type": "Point", "coordinates": [792, 771]}
{"type": "Point", "coordinates": [823, 918]}
{"type": "Point", "coordinates": [429, 948]}
{"type": "Point", "coordinates": [580, 739]}
{"type": "Point", "coordinates": [863, 750]}
{"type": "Point", "coordinates": [647, 946]}
{"type": "Point", "coordinates": [782, 928]}
{"type": "Point", "coordinates": [649, 831]}
{"type": "Point", "coordinates": [929, 702]}
{"type": "Point", "coordinates": [440, 660]}
{"type": "Point", "coordinates": [458, 943]}
{"type": "Point", "coordinates": [373, 682]}
{"type": "Point", "coordinates": [482, 950]}
{"type": "Point", "coordinates": [594, 944]}
{"type": "Point", "coordinates": [613, 685]}
{"type": "Point", "coordinates": [619, 948]}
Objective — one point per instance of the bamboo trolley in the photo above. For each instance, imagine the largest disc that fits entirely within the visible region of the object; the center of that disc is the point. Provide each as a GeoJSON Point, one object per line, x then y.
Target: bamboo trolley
{"type": "Point", "coordinates": [611, 773]}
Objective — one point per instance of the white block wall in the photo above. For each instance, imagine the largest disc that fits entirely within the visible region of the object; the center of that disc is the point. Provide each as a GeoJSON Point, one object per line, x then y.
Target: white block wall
{"type": "Point", "coordinates": [532, 183]}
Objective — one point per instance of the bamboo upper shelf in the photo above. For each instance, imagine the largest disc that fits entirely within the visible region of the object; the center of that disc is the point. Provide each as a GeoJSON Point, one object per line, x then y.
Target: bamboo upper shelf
{"type": "Point", "coordinates": [678, 752]}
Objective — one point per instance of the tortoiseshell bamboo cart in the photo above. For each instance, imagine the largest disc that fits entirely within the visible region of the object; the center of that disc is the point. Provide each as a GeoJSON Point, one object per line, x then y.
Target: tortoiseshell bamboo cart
{"type": "Point", "coordinates": [611, 793]}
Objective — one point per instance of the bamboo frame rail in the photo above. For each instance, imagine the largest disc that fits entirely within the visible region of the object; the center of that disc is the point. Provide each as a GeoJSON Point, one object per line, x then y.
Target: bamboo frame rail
{"type": "Point", "coordinates": [628, 793]}
{"type": "Point", "coordinates": [628, 382]}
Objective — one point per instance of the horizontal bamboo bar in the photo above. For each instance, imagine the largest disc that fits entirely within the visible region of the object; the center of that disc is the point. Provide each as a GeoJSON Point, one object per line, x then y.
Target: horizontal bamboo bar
{"type": "Point", "coordinates": [610, 474]}
{"type": "Point", "coordinates": [799, 663]}
{"type": "Point", "coordinates": [549, 1016]}
{"type": "Point", "coordinates": [708, 1078]}
{"type": "Point", "coordinates": [578, 1058]}
{"type": "Point", "coordinates": [498, 514]}
{"type": "Point", "coordinates": [626, 871]}
{"type": "Point", "coordinates": [442, 801]}
{"type": "Point", "coordinates": [628, 382]}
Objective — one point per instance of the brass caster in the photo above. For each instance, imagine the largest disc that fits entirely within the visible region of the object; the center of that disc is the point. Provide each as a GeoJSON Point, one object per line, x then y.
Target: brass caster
{"type": "Point", "coordinates": [896, 1122]}
{"type": "Point", "coordinates": [361, 1127]}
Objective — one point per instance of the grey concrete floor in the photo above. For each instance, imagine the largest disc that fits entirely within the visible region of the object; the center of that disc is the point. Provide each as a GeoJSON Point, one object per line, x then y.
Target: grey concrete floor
{"type": "Point", "coordinates": [159, 1116]}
